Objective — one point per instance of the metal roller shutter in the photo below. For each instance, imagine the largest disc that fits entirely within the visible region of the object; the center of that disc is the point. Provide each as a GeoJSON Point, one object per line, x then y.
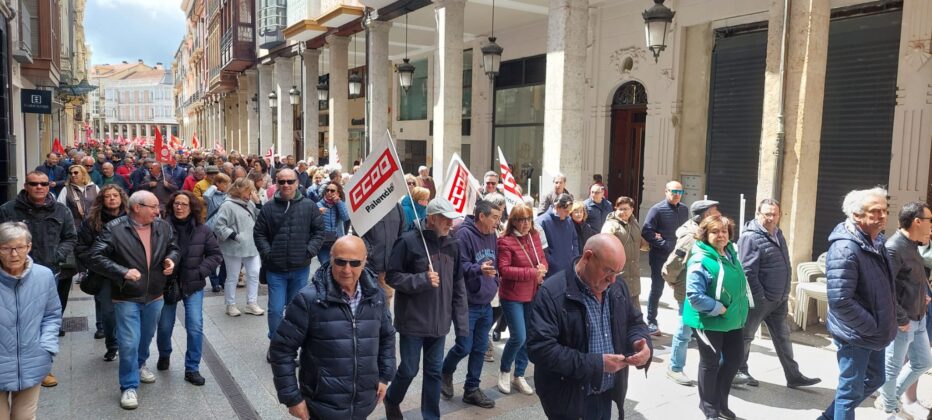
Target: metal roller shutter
{"type": "Point", "coordinates": [736, 104]}
{"type": "Point", "coordinates": [857, 117]}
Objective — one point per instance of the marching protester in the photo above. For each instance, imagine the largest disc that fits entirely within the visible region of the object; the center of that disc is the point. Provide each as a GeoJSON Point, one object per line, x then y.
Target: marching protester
{"type": "Point", "coordinates": [627, 229]}
{"type": "Point", "coordinates": [427, 301]}
{"type": "Point", "coordinates": [490, 184]}
{"type": "Point", "coordinates": [334, 213]}
{"type": "Point", "coordinates": [425, 181]}
{"type": "Point", "coordinates": [216, 195]}
{"type": "Point", "coordinates": [156, 183]}
{"type": "Point", "coordinates": [138, 274]}
{"type": "Point", "coordinates": [78, 193]}
{"type": "Point", "coordinates": [560, 233]}
{"type": "Point", "coordinates": [109, 177]}
{"type": "Point", "coordinates": [559, 189]}
{"type": "Point", "coordinates": [342, 328]}
{"type": "Point", "coordinates": [522, 268]}
{"type": "Point", "coordinates": [580, 217]}
{"type": "Point", "coordinates": [597, 207]}
{"type": "Point", "coordinates": [199, 256]}
{"type": "Point", "coordinates": [659, 230]}
{"type": "Point", "coordinates": [415, 205]}
{"type": "Point", "coordinates": [234, 224]}
{"type": "Point", "coordinates": [56, 173]}
{"type": "Point", "coordinates": [379, 240]}
{"type": "Point", "coordinates": [30, 321]}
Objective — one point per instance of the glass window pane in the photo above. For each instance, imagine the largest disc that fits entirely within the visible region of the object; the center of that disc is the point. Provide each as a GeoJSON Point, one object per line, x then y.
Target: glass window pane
{"type": "Point", "coordinates": [523, 105]}
{"type": "Point", "coordinates": [524, 149]}
{"type": "Point", "coordinates": [414, 101]}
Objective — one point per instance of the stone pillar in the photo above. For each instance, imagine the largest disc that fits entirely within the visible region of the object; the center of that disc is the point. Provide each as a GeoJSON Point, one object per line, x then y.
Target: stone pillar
{"type": "Point", "coordinates": [110, 130]}
{"type": "Point", "coordinates": [564, 115]}
{"type": "Point", "coordinates": [912, 120]}
{"type": "Point", "coordinates": [380, 81]}
{"type": "Point", "coordinates": [284, 80]}
{"type": "Point", "coordinates": [339, 99]}
{"type": "Point", "coordinates": [448, 83]}
{"type": "Point", "coordinates": [149, 131]}
{"type": "Point", "coordinates": [264, 139]}
{"type": "Point", "coordinates": [242, 132]}
{"type": "Point", "coordinates": [222, 123]}
{"type": "Point", "coordinates": [807, 50]}
{"type": "Point", "coordinates": [309, 104]}
{"type": "Point", "coordinates": [252, 131]}
{"type": "Point", "coordinates": [139, 130]}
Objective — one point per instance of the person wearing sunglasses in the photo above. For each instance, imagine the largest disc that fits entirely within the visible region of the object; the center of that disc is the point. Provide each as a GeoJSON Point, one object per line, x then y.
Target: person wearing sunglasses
{"type": "Point", "coordinates": [350, 321]}
{"type": "Point", "coordinates": [79, 193]}
{"type": "Point", "coordinates": [288, 234]}
{"type": "Point", "coordinates": [53, 233]}
{"type": "Point", "coordinates": [335, 215]}
{"type": "Point", "coordinates": [659, 231]}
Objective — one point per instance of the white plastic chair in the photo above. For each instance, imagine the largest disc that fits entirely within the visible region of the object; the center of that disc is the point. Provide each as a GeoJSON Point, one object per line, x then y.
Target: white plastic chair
{"type": "Point", "coordinates": [810, 290]}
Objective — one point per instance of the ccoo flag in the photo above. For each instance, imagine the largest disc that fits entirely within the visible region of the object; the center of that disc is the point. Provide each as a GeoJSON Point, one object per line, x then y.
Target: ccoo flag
{"type": "Point", "coordinates": [376, 187]}
{"type": "Point", "coordinates": [509, 184]}
{"type": "Point", "coordinates": [460, 188]}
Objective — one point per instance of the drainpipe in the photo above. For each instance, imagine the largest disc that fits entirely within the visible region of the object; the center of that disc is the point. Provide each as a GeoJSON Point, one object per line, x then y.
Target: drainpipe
{"type": "Point", "coordinates": [781, 124]}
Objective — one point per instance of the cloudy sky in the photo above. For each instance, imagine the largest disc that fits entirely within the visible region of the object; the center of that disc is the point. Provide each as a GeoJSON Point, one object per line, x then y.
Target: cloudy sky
{"type": "Point", "coordinates": [129, 30]}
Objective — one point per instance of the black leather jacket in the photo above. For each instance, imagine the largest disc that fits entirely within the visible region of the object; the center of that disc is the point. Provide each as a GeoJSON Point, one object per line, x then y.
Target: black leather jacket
{"type": "Point", "coordinates": [118, 249]}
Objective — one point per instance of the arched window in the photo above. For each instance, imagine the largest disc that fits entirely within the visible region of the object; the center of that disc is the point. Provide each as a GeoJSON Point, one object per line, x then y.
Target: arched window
{"type": "Point", "coordinates": [630, 94]}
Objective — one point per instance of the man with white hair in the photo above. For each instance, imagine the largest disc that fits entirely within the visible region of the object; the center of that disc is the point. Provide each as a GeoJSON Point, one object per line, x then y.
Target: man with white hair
{"type": "Point", "coordinates": [425, 181]}
{"type": "Point", "coordinates": [861, 300]}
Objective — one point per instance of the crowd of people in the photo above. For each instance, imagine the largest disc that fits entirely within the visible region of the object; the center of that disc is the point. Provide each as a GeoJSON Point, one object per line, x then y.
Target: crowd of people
{"type": "Point", "coordinates": [562, 278]}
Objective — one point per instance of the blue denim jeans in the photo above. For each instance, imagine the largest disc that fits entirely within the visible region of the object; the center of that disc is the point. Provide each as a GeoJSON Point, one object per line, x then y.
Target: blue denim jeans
{"type": "Point", "coordinates": [323, 255]}
{"type": "Point", "coordinates": [409, 351]}
{"type": "Point", "coordinates": [680, 344]}
{"type": "Point", "coordinates": [915, 344]}
{"type": "Point", "coordinates": [860, 373]}
{"type": "Point", "coordinates": [135, 326]}
{"type": "Point", "coordinates": [517, 315]}
{"type": "Point", "coordinates": [282, 288]}
{"type": "Point", "coordinates": [193, 326]}
{"type": "Point", "coordinates": [656, 259]}
{"type": "Point", "coordinates": [473, 345]}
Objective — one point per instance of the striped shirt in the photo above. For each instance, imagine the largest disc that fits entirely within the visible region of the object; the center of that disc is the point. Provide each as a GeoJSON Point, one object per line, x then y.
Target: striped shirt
{"type": "Point", "coordinates": [599, 315]}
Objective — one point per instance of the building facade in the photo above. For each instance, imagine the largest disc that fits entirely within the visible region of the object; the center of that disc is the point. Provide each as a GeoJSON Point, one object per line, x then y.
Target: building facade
{"type": "Point", "coordinates": [132, 99]}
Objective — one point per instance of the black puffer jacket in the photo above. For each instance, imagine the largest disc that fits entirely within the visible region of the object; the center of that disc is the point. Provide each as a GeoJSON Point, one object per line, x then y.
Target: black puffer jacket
{"type": "Point", "coordinates": [288, 233]}
{"type": "Point", "coordinates": [51, 225]}
{"type": "Point", "coordinates": [118, 249]}
{"type": "Point", "coordinates": [766, 262]}
{"type": "Point", "coordinates": [343, 356]}
{"type": "Point", "coordinates": [200, 254]}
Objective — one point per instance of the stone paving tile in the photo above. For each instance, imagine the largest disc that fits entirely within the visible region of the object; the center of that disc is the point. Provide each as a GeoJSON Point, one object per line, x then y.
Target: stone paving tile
{"type": "Point", "coordinates": [89, 389]}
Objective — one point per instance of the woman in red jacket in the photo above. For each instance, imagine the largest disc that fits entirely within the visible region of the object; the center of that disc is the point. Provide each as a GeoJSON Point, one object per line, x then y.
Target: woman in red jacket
{"type": "Point", "coordinates": [522, 267]}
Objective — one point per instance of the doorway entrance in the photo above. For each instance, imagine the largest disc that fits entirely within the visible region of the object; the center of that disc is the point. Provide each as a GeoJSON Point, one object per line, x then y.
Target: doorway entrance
{"type": "Point", "coordinates": [626, 167]}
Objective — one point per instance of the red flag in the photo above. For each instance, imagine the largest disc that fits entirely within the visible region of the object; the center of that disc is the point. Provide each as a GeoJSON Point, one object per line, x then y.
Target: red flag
{"type": "Point", "coordinates": [57, 147]}
{"type": "Point", "coordinates": [218, 148]}
{"type": "Point", "coordinates": [162, 153]}
{"type": "Point", "coordinates": [194, 143]}
{"type": "Point", "coordinates": [509, 184]}
{"type": "Point", "coordinates": [175, 142]}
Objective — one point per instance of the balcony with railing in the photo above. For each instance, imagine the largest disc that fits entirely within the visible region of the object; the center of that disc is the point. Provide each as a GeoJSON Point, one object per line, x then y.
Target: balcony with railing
{"type": "Point", "coordinates": [44, 41]}
{"type": "Point", "coordinates": [237, 45]}
{"type": "Point", "coordinates": [22, 51]}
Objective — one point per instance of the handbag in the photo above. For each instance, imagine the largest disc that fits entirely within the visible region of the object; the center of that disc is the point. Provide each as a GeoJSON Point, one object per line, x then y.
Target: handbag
{"type": "Point", "coordinates": [172, 294]}
{"type": "Point", "coordinates": [92, 284]}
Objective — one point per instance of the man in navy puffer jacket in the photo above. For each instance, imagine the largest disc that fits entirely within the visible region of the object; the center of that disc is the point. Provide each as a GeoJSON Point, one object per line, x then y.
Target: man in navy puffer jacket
{"type": "Point", "coordinates": [478, 246]}
{"type": "Point", "coordinates": [343, 329]}
{"type": "Point", "coordinates": [861, 315]}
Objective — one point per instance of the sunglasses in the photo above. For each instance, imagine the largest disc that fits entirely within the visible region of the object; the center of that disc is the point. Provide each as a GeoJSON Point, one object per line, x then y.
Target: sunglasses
{"type": "Point", "coordinates": [75, 173]}
{"type": "Point", "coordinates": [411, 183]}
{"type": "Point", "coordinates": [329, 190]}
{"type": "Point", "coordinates": [677, 192]}
{"type": "Point", "coordinates": [287, 181]}
{"type": "Point", "coordinates": [36, 184]}
{"type": "Point", "coordinates": [88, 166]}
{"type": "Point", "coordinates": [342, 263]}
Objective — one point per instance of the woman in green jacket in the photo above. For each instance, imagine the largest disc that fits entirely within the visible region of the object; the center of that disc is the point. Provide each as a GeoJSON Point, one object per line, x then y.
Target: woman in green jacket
{"type": "Point", "coordinates": [717, 301]}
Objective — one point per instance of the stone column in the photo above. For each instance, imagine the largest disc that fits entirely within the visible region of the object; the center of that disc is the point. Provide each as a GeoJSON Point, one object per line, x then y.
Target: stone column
{"type": "Point", "coordinates": [265, 137]}
{"type": "Point", "coordinates": [339, 99]}
{"type": "Point", "coordinates": [448, 83]}
{"type": "Point", "coordinates": [284, 80]}
{"type": "Point", "coordinates": [564, 116]}
{"type": "Point", "coordinates": [149, 131]}
{"type": "Point", "coordinates": [380, 81]}
{"type": "Point", "coordinates": [252, 131]}
{"type": "Point", "coordinates": [110, 130]}
{"type": "Point", "coordinates": [222, 123]}
{"type": "Point", "coordinates": [139, 130]}
{"type": "Point", "coordinates": [243, 105]}
{"type": "Point", "coordinates": [309, 104]}
{"type": "Point", "coordinates": [807, 51]}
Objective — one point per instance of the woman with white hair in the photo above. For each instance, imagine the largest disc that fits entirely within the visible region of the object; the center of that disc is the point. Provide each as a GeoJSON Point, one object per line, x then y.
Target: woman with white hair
{"type": "Point", "coordinates": [29, 323]}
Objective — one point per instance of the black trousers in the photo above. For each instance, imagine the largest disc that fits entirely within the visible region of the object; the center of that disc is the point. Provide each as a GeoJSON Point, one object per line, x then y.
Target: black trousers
{"type": "Point", "coordinates": [499, 319]}
{"type": "Point", "coordinates": [720, 354]}
{"type": "Point", "coordinates": [64, 287]}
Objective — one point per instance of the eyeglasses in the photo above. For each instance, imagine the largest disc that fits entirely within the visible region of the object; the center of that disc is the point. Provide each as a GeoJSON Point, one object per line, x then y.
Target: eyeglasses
{"type": "Point", "coordinates": [287, 181]}
{"type": "Point", "coordinates": [411, 183]}
{"type": "Point", "coordinates": [491, 183]}
{"type": "Point", "coordinates": [151, 206]}
{"type": "Point", "coordinates": [36, 184]}
{"type": "Point", "coordinates": [20, 250]}
{"type": "Point", "coordinates": [88, 166]}
{"type": "Point", "coordinates": [332, 190]}
{"type": "Point", "coordinates": [339, 262]}
{"type": "Point", "coordinates": [180, 204]}
{"type": "Point", "coordinates": [523, 220]}
{"type": "Point", "coordinates": [677, 192]}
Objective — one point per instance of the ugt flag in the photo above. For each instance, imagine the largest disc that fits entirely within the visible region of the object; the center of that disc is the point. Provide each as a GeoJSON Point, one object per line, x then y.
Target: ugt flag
{"type": "Point", "coordinates": [376, 187]}
{"type": "Point", "coordinates": [509, 184]}
{"type": "Point", "coordinates": [460, 187]}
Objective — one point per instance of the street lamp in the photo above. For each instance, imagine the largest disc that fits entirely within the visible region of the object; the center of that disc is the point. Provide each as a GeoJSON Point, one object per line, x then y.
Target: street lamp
{"type": "Point", "coordinates": [656, 21]}
{"type": "Point", "coordinates": [273, 100]}
{"type": "Point", "coordinates": [323, 91]}
{"type": "Point", "coordinates": [491, 51]}
{"type": "Point", "coordinates": [405, 69]}
{"type": "Point", "coordinates": [355, 84]}
{"type": "Point", "coordinates": [294, 95]}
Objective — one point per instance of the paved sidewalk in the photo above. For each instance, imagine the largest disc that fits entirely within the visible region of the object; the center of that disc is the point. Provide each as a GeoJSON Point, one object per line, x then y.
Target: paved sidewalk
{"type": "Point", "coordinates": [235, 349]}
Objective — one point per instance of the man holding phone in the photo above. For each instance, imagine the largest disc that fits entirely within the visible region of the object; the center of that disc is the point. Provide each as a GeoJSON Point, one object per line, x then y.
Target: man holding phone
{"type": "Point", "coordinates": [478, 244]}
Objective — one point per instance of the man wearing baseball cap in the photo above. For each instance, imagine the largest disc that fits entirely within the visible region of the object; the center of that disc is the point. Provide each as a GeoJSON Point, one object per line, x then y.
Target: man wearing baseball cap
{"type": "Point", "coordinates": [675, 274]}
{"type": "Point", "coordinates": [429, 294]}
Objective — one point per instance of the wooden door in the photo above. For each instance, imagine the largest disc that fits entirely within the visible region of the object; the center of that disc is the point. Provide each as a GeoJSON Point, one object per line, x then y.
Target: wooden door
{"type": "Point", "coordinates": [627, 160]}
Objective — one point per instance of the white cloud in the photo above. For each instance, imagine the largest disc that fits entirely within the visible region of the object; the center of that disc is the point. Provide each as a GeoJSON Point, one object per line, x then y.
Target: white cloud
{"type": "Point", "coordinates": [153, 7]}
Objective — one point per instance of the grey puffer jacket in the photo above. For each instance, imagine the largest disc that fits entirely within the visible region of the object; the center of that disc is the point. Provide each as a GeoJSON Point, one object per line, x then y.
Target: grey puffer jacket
{"type": "Point", "coordinates": [233, 225]}
{"type": "Point", "coordinates": [29, 324]}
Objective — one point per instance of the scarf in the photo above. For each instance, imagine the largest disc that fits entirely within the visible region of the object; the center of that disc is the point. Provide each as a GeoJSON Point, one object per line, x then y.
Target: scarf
{"type": "Point", "coordinates": [185, 230]}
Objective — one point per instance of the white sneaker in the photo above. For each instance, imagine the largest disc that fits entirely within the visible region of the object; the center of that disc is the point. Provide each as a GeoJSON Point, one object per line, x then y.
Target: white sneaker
{"type": "Point", "coordinates": [129, 400]}
{"type": "Point", "coordinates": [232, 310]}
{"type": "Point", "coordinates": [253, 309]}
{"type": "Point", "coordinates": [504, 382]}
{"type": "Point", "coordinates": [146, 376]}
{"type": "Point", "coordinates": [679, 378]}
{"type": "Point", "coordinates": [896, 414]}
{"type": "Point", "coordinates": [522, 386]}
{"type": "Point", "coordinates": [915, 410]}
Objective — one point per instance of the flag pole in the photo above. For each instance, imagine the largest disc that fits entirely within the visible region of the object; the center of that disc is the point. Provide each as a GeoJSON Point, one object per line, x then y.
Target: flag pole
{"type": "Point", "coordinates": [430, 262]}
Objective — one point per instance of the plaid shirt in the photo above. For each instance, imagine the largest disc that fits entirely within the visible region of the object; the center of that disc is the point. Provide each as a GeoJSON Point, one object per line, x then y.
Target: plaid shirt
{"type": "Point", "coordinates": [600, 331]}
{"type": "Point", "coordinates": [353, 301]}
